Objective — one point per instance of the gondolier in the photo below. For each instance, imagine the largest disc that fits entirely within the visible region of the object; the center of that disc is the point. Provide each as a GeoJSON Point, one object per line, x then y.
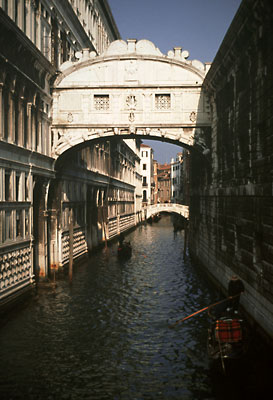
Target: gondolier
{"type": "Point", "coordinates": [235, 288]}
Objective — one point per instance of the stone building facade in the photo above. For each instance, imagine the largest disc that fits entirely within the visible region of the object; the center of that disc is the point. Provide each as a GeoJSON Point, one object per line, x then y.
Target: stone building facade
{"type": "Point", "coordinates": [176, 178]}
{"type": "Point", "coordinates": [164, 182]}
{"type": "Point", "coordinates": [96, 191]}
{"type": "Point", "coordinates": [231, 204]}
{"type": "Point", "coordinates": [36, 37]}
{"type": "Point", "coordinates": [146, 166]}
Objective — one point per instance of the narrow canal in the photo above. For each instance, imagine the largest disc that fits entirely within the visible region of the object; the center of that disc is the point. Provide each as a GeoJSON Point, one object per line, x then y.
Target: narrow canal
{"type": "Point", "coordinates": [107, 335]}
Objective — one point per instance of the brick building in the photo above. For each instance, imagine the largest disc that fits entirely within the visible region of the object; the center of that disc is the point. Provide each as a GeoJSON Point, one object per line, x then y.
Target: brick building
{"type": "Point", "coordinates": [164, 183]}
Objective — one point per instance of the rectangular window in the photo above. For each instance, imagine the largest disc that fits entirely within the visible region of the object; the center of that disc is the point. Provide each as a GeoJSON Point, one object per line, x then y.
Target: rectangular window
{"type": "Point", "coordinates": [54, 42]}
{"type": "Point", "coordinates": [144, 167]}
{"type": "Point", "coordinates": [27, 231]}
{"type": "Point", "coordinates": [162, 101]}
{"type": "Point", "coordinates": [8, 192]}
{"type": "Point", "coordinates": [18, 194]}
{"type": "Point", "coordinates": [8, 225]}
{"type": "Point", "coordinates": [24, 17]}
{"type": "Point", "coordinates": [19, 223]}
{"type": "Point", "coordinates": [2, 238]}
{"type": "Point", "coordinates": [26, 188]}
{"type": "Point", "coordinates": [101, 102]}
{"type": "Point", "coordinates": [16, 5]}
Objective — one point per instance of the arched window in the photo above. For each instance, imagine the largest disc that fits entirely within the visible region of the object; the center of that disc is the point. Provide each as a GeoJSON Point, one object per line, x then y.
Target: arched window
{"type": "Point", "coordinates": [144, 195]}
{"type": "Point", "coordinates": [5, 113]}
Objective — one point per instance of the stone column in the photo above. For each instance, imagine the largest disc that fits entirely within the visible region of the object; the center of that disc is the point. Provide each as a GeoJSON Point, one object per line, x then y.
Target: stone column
{"type": "Point", "coordinates": [53, 240]}
{"type": "Point", "coordinates": [20, 121]}
{"type": "Point", "coordinates": [42, 245]}
{"type": "Point", "coordinates": [29, 127]}
{"type": "Point", "coordinates": [33, 129]}
{"type": "Point", "coordinates": [39, 131]}
{"type": "Point", "coordinates": [38, 28]}
{"type": "Point", "coordinates": [47, 134]}
{"type": "Point", "coordinates": [28, 18]}
{"type": "Point", "coordinates": [1, 110]}
{"type": "Point", "coordinates": [10, 118]}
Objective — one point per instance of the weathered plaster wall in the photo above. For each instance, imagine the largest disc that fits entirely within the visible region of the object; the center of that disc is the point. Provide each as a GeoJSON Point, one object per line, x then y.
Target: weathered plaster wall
{"type": "Point", "coordinates": [231, 209]}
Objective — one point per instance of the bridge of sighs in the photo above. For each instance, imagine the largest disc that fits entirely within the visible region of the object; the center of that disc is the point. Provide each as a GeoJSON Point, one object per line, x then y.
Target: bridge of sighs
{"type": "Point", "coordinates": [132, 90]}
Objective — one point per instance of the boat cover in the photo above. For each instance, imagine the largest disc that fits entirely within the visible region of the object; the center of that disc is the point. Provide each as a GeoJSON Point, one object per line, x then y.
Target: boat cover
{"type": "Point", "coordinates": [228, 331]}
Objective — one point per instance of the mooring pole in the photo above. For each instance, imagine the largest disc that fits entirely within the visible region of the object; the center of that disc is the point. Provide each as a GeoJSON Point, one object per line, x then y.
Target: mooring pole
{"type": "Point", "coordinates": [70, 272]}
{"type": "Point", "coordinates": [185, 238]}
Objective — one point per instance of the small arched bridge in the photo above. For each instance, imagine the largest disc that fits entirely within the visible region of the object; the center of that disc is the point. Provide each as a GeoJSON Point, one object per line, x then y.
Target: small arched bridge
{"type": "Point", "coordinates": [167, 207]}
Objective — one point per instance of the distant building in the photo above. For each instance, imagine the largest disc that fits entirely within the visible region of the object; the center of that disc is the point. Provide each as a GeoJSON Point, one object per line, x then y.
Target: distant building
{"type": "Point", "coordinates": [164, 183]}
{"type": "Point", "coordinates": [176, 178]}
{"type": "Point", "coordinates": [146, 167]}
{"type": "Point", "coordinates": [156, 194]}
{"type": "Point", "coordinates": [185, 178]}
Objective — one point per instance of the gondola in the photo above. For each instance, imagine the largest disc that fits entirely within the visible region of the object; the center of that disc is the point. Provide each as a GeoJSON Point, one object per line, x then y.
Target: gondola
{"type": "Point", "coordinates": [124, 250]}
{"type": "Point", "coordinates": [156, 218]}
{"type": "Point", "coordinates": [227, 338]}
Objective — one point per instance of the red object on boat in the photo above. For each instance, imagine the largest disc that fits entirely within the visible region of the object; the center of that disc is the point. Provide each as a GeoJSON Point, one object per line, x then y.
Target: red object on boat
{"type": "Point", "coordinates": [228, 331]}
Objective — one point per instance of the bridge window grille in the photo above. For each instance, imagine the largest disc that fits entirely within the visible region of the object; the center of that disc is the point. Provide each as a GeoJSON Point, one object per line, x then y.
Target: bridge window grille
{"type": "Point", "coordinates": [162, 101]}
{"type": "Point", "coordinates": [101, 102]}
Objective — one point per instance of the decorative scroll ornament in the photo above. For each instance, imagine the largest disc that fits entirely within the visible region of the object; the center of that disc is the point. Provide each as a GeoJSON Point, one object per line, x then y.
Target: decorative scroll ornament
{"type": "Point", "coordinates": [70, 117]}
{"type": "Point", "coordinates": [193, 116]}
{"type": "Point", "coordinates": [131, 102]}
{"type": "Point", "coordinates": [131, 117]}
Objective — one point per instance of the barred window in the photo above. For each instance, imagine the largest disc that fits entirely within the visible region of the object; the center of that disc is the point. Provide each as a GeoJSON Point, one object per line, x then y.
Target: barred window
{"type": "Point", "coordinates": [162, 101]}
{"type": "Point", "coordinates": [101, 102]}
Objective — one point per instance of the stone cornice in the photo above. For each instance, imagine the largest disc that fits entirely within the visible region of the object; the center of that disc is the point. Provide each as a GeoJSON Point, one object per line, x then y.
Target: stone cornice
{"type": "Point", "coordinates": [143, 50]}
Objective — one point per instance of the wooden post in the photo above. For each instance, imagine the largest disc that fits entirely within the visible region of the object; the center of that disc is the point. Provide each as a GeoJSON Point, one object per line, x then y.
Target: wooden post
{"type": "Point", "coordinates": [185, 238]}
{"type": "Point", "coordinates": [104, 226]}
{"type": "Point", "coordinates": [71, 245]}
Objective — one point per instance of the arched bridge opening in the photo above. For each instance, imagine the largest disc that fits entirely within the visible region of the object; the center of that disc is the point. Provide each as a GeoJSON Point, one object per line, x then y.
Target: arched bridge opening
{"type": "Point", "coordinates": [103, 106]}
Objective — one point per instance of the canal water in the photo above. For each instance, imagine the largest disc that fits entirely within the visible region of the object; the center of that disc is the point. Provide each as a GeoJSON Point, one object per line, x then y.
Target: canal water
{"type": "Point", "coordinates": [107, 335]}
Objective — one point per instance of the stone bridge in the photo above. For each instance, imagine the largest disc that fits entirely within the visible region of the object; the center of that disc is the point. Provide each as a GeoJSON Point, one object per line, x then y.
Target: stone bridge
{"type": "Point", "coordinates": [167, 207]}
{"type": "Point", "coordinates": [130, 91]}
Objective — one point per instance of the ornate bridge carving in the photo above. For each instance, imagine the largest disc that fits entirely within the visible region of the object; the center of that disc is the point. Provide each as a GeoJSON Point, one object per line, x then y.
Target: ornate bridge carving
{"type": "Point", "coordinates": [167, 207]}
{"type": "Point", "coordinates": [132, 90]}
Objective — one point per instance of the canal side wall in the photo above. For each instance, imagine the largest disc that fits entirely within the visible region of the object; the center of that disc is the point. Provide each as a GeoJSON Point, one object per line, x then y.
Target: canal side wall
{"type": "Point", "coordinates": [83, 207]}
{"type": "Point", "coordinates": [92, 201]}
{"type": "Point", "coordinates": [29, 60]}
{"type": "Point", "coordinates": [231, 206]}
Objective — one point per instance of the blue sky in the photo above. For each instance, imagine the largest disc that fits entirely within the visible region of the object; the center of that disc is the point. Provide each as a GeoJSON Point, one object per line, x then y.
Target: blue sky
{"type": "Point", "coordinates": [198, 26]}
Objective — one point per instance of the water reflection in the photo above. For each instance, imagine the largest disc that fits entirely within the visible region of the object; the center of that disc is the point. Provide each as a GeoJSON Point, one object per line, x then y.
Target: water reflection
{"type": "Point", "coordinates": [107, 335]}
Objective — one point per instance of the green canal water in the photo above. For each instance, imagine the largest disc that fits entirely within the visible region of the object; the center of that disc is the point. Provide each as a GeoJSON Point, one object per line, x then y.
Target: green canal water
{"type": "Point", "coordinates": [107, 335]}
